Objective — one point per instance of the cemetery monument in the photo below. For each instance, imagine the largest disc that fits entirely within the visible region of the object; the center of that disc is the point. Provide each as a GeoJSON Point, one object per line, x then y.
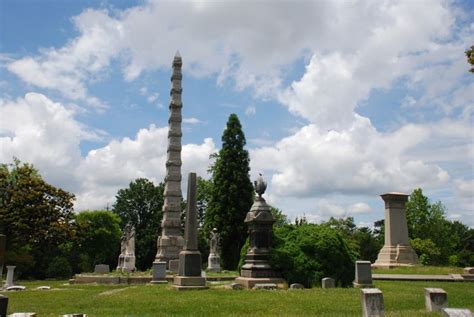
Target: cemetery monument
{"type": "Point", "coordinates": [214, 261]}
{"type": "Point", "coordinates": [126, 262]}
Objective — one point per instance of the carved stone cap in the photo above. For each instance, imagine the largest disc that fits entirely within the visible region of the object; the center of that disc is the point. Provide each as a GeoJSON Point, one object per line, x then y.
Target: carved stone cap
{"type": "Point", "coordinates": [394, 199]}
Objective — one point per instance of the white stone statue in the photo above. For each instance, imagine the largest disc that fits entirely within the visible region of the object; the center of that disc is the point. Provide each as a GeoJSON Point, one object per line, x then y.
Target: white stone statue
{"type": "Point", "coordinates": [214, 242]}
{"type": "Point", "coordinates": [126, 262]}
{"type": "Point", "coordinates": [214, 261]}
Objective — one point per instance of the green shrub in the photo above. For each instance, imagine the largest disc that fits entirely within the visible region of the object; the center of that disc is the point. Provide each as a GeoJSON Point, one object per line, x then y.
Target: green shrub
{"type": "Point", "coordinates": [59, 267]}
{"type": "Point", "coordinates": [427, 251]}
{"type": "Point", "coordinates": [306, 253]}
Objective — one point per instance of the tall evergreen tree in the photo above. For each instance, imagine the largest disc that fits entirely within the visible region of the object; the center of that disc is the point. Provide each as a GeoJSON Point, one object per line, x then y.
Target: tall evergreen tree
{"type": "Point", "coordinates": [231, 193]}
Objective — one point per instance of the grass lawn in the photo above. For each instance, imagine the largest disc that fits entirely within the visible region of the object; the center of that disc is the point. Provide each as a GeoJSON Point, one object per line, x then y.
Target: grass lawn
{"type": "Point", "coordinates": [401, 299]}
{"type": "Point", "coordinates": [420, 269]}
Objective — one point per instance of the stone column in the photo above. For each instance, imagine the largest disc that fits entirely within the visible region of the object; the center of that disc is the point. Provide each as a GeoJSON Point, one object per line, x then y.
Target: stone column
{"type": "Point", "coordinates": [257, 269]}
{"type": "Point", "coordinates": [10, 272]}
{"type": "Point", "coordinates": [189, 271]}
{"type": "Point", "coordinates": [171, 242]}
{"type": "Point", "coordinates": [396, 250]}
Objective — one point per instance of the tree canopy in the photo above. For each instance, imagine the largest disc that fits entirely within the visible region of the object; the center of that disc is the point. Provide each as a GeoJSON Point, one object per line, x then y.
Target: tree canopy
{"type": "Point", "coordinates": [141, 204]}
{"type": "Point", "coordinates": [231, 194]}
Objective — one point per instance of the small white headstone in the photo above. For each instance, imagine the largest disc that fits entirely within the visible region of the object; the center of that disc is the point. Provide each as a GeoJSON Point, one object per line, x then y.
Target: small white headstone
{"type": "Point", "coordinates": [236, 286]}
{"type": "Point", "coordinates": [296, 286]}
{"type": "Point", "coordinates": [75, 315]}
{"type": "Point", "coordinates": [328, 282]}
{"type": "Point", "coordinates": [372, 302]}
{"type": "Point", "coordinates": [22, 315]}
{"type": "Point", "coordinates": [16, 288]}
{"type": "Point", "coordinates": [43, 288]}
{"type": "Point", "coordinates": [456, 312]}
{"type": "Point", "coordinates": [265, 286]}
{"type": "Point", "coordinates": [435, 299]}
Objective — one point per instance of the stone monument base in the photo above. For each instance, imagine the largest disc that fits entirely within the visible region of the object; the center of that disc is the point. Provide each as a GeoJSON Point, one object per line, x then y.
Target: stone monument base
{"type": "Point", "coordinates": [249, 282]}
{"type": "Point", "coordinates": [213, 263]}
{"type": "Point", "coordinates": [189, 283]}
{"type": "Point", "coordinates": [393, 256]}
{"type": "Point", "coordinates": [357, 285]}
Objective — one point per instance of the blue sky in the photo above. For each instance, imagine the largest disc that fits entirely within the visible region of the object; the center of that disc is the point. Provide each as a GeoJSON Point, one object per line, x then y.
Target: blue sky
{"type": "Point", "coordinates": [340, 102]}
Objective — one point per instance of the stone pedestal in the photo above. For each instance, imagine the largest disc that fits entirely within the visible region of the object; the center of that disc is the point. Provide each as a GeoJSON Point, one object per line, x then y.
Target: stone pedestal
{"type": "Point", "coordinates": [10, 273]}
{"type": "Point", "coordinates": [128, 263]}
{"type": "Point", "coordinates": [159, 273]}
{"type": "Point", "coordinates": [328, 282]}
{"type": "Point", "coordinates": [363, 275]}
{"type": "Point", "coordinates": [189, 271]}
{"type": "Point", "coordinates": [3, 305]}
{"type": "Point", "coordinates": [372, 302]}
{"type": "Point", "coordinates": [396, 250]}
{"type": "Point", "coordinates": [213, 263]}
{"type": "Point", "coordinates": [435, 299]}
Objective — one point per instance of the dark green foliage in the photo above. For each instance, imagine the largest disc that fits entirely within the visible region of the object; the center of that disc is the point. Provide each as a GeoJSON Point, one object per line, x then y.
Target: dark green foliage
{"type": "Point", "coordinates": [97, 240]}
{"type": "Point", "coordinates": [470, 58]}
{"type": "Point", "coordinates": [35, 216]}
{"type": "Point", "coordinates": [59, 268]}
{"type": "Point", "coordinates": [231, 194]}
{"type": "Point", "coordinates": [280, 218]}
{"type": "Point", "coordinates": [141, 204]}
{"type": "Point", "coordinates": [308, 252]}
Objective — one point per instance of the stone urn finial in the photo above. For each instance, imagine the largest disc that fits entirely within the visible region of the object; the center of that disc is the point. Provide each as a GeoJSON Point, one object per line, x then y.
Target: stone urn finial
{"type": "Point", "coordinates": [260, 185]}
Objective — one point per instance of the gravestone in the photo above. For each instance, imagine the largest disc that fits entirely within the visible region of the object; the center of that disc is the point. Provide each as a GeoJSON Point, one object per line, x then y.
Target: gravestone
{"type": "Point", "coordinates": [23, 315]}
{"type": "Point", "coordinates": [189, 271]}
{"type": "Point", "coordinates": [259, 219]}
{"type": "Point", "coordinates": [173, 266]}
{"type": "Point", "coordinates": [10, 273]}
{"type": "Point", "coordinates": [456, 312]}
{"type": "Point", "coordinates": [43, 288]}
{"type": "Point", "coordinates": [3, 305]}
{"type": "Point", "coordinates": [372, 302]}
{"type": "Point", "coordinates": [363, 275]}
{"type": "Point", "coordinates": [469, 270]}
{"type": "Point", "coordinates": [236, 286]}
{"type": "Point", "coordinates": [102, 269]}
{"type": "Point", "coordinates": [171, 241]}
{"type": "Point", "coordinates": [265, 286]}
{"type": "Point", "coordinates": [126, 262]}
{"type": "Point", "coordinates": [396, 250]}
{"type": "Point", "coordinates": [328, 282]}
{"type": "Point", "coordinates": [75, 315]}
{"type": "Point", "coordinates": [159, 273]}
{"type": "Point", "coordinates": [16, 288]}
{"type": "Point", "coordinates": [296, 286]}
{"type": "Point", "coordinates": [435, 299]}
{"type": "Point", "coordinates": [214, 261]}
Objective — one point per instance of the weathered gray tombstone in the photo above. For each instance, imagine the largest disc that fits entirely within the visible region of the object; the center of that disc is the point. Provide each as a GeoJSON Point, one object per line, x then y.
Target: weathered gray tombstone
{"type": "Point", "coordinates": [469, 270]}
{"type": "Point", "coordinates": [372, 302]}
{"type": "Point", "coordinates": [296, 286]}
{"type": "Point", "coordinates": [435, 299]}
{"type": "Point", "coordinates": [3, 242]}
{"type": "Point", "coordinates": [10, 273]}
{"type": "Point", "coordinates": [189, 271]}
{"type": "Point", "coordinates": [328, 282]}
{"type": "Point", "coordinates": [23, 315]}
{"type": "Point", "coordinates": [214, 261]}
{"type": "Point", "coordinates": [159, 273]}
{"type": "Point", "coordinates": [171, 241]}
{"type": "Point", "coordinates": [265, 286]}
{"type": "Point", "coordinates": [3, 305]}
{"type": "Point", "coordinates": [102, 269]}
{"type": "Point", "coordinates": [173, 266]}
{"type": "Point", "coordinates": [456, 312]}
{"type": "Point", "coordinates": [396, 250]}
{"type": "Point", "coordinates": [363, 274]}
{"type": "Point", "coordinates": [75, 315]}
{"type": "Point", "coordinates": [259, 219]}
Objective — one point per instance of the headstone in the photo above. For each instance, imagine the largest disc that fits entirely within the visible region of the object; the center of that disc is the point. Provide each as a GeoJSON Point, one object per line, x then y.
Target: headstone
{"type": "Point", "coordinates": [43, 288]}
{"type": "Point", "coordinates": [126, 262]}
{"type": "Point", "coordinates": [265, 286]}
{"type": "Point", "coordinates": [102, 269]}
{"type": "Point", "coordinates": [396, 250]}
{"type": "Point", "coordinates": [372, 302]}
{"type": "Point", "coordinates": [174, 266]}
{"type": "Point", "coordinates": [159, 273]}
{"type": "Point", "coordinates": [214, 261]}
{"type": "Point", "coordinates": [16, 288]}
{"type": "Point", "coordinates": [23, 315]}
{"type": "Point", "coordinates": [469, 270]}
{"type": "Point", "coordinates": [328, 282]}
{"type": "Point", "coordinates": [363, 275]}
{"type": "Point", "coordinates": [10, 273]}
{"type": "Point", "coordinates": [259, 219]}
{"type": "Point", "coordinates": [296, 286]}
{"type": "Point", "coordinates": [236, 286]}
{"type": "Point", "coordinates": [3, 305]}
{"type": "Point", "coordinates": [75, 315]}
{"type": "Point", "coordinates": [456, 312]}
{"type": "Point", "coordinates": [171, 242]}
{"type": "Point", "coordinates": [189, 271]}
{"type": "Point", "coordinates": [435, 299]}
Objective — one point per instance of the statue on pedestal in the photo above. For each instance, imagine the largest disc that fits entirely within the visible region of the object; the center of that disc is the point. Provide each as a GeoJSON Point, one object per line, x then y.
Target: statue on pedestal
{"type": "Point", "coordinates": [214, 261]}
{"type": "Point", "coordinates": [126, 262]}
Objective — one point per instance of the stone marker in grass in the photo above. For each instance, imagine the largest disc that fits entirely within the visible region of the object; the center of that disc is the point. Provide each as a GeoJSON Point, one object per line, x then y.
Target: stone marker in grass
{"type": "Point", "coordinates": [159, 273]}
{"type": "Point", "coordinates": [3, 305]}
{"type": "Point", "coordinates": [372, 302]}
{"type": "Point", "coordinates": [435, 299]}
{"type": "Point", "coordinates": [328, 282]}
{"type": "Point", "coordinates": [102, 269]}
{"type": "Point", "coordinates": [363, 275]}
{"type": "Point", "coordinates": [189, 271]}
{"type": "Point", "coordinates": [10, 273]}
{"type": "Point", "coordinates": [456, 312]}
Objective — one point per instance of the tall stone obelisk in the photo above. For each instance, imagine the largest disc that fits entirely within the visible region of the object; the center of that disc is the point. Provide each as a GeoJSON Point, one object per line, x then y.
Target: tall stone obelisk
{"type": "Point", "coordinates": [171, 242]}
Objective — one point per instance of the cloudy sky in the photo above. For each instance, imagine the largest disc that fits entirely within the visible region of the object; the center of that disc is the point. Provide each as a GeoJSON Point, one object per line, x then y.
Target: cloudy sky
{"type": "Point", "coordinates": [340, 101]}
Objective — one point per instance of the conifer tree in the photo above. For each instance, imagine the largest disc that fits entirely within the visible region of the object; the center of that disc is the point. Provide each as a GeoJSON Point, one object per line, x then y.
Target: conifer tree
{"type": "Point", "coordinates": [231, 194]}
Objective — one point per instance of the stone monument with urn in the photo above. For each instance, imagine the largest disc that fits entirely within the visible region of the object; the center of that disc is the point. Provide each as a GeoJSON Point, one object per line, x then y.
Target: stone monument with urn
{"type": "Point", "coordinates": [257, 269]}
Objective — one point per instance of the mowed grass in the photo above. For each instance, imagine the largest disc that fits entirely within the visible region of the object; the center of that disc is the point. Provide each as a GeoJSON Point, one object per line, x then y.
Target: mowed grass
{"type": "Point", "coordinates": [420, 269]}
{"type": "Point", "coordinates": [401, 299]}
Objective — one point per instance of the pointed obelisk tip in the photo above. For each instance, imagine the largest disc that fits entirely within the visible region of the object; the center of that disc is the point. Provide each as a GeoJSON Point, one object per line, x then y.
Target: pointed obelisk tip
{"type": "Point", "coordinates": [177, 55]}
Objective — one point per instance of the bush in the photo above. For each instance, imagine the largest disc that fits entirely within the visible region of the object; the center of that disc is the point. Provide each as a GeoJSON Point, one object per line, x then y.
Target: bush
{"type": "Point", "coordinates": [306, 253]}
{"type": "Point", "coordinates": [59, 267]}
{"type": "Point", "coordinates": [427, 251]}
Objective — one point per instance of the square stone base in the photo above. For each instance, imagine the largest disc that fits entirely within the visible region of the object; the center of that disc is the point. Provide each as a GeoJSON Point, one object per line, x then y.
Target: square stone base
{"type": "Point", "coordinates": [249, 282]}
{"type": "Point", "coordinates": [159, 282]}
{"type": "Point", "coordinates": [393, 256]}
{"type": "Point", "coordinates": [189, 283]}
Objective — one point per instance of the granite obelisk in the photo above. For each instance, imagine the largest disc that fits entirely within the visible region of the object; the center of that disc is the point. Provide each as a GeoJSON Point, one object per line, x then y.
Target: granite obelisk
{"type": "Point", "coordinates": [171, 242]}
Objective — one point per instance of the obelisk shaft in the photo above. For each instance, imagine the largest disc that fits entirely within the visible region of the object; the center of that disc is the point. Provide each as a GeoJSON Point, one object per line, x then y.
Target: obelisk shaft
{"type": "Point", "coordinates": [190, 233]}
{"type": "Point", "coordinates": [171, 242]}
